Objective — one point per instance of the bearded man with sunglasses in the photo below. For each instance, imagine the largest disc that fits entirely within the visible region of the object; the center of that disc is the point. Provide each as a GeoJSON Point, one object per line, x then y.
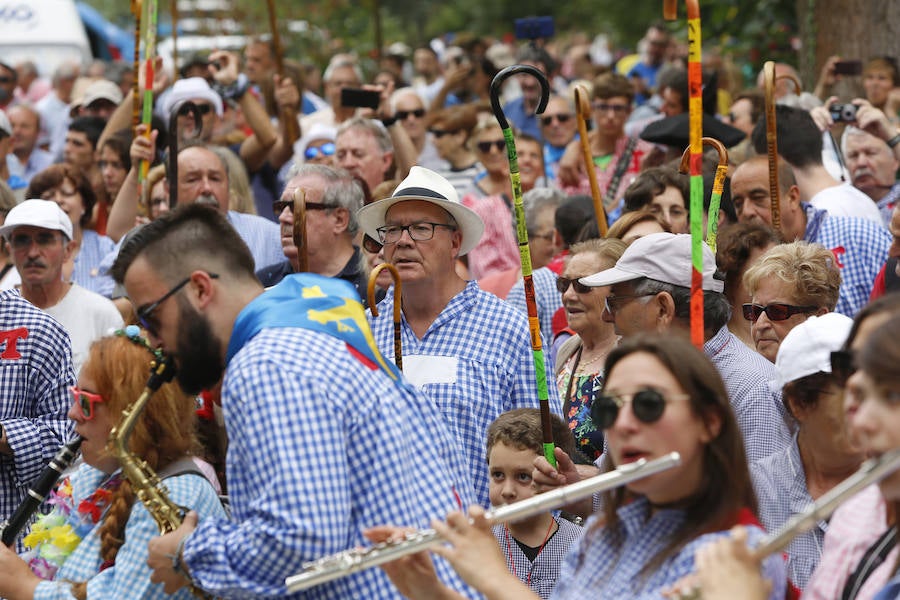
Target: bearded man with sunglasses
{"type": "Point", "coordinates": [39, 234]}
{"type": "Point", "coordinates": [650, 292]}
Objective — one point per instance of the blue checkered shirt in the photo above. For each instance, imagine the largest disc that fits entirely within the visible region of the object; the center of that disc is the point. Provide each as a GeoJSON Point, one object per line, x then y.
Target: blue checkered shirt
{"type": "Point", "coordinates": [887, 203]}
{"type": "Point", "coordinates": [88, 272]}
{"type": "Point", "coordinates": [129, 577]}
{"type": "Point", "coordinates": [860, 248]}
{"type": "Point", "coordinates": [780, 484]}
{"type": "Point", "coordinates": [547, 297]}
{"type": "Point", "coordinates": [321, 447]}
{"type": "Point", "coordinates": [35, 373]}
{"type": "Point", "coordinates": [599, 568]}
{"type": "Point", "coordinates": [261, 235]}
{"type": "Point", "coordinates": [542, 573]}
{"type": "Point", "coordinates": [756, 400]}
{"type": "Point", "coordinates": [495, 370]}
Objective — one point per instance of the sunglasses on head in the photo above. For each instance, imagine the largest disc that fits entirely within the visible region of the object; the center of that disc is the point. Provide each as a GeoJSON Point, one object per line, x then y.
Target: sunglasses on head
{"type": "Point", "coordinates": [86, 401]}
{"type": "Point", "coordinates": [648, 405]}
{"type": "Point", "coordinates": [314, 152]}
{"type": "Point", "coordinates": [776, 311]}
{"type": "Point", "coordinates": [485, 147]}
{"type": "Point", "coordinates": [843, 365]}
{"type": "Point", "coordinates": [402, 115]}
{"type": "Point", "coordinates": [562, 118]}
{"type": "Point", "coordinates": [563, 283]}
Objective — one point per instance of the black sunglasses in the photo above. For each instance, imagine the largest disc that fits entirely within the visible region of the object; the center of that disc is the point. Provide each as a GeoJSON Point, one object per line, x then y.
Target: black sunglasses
{"type": "Point", "coordinates": [648, 405]}
{"type": "Point", "coordinates": [486, 146]}
{"type": "Point", "coordinates": [439, 133]}
{"type": "Point", "coordinates": [843, 365]}
{"type": "Point", "coordinates": [563, 283]}
{"type": "Point", "coordinates": [776, 311]}
{"type": "Point", "coordinates": [204, 109]}
{"type": "Point", "coordinates": [145, 313]}
{"type": "Point", "coordinates": [562, 118]}
{"type": "Point", "coordinates": [402, 115]}
{"type": "Point", "coordinates": [372, 246]}
{"type": "Point", "coordinates": [279, 205]}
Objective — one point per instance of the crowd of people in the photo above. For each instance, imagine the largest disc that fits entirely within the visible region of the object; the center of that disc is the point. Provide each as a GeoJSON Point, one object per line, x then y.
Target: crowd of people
{"type": "Point", "coordinates": [235, 234]}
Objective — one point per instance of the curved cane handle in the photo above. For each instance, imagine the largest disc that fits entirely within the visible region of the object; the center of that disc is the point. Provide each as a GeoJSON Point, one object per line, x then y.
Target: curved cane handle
{"type": "Point", "coordinates": [398, 360]}
{"type": "Point", "coordinates": [772, 144]}
{"type": "Point", "coordinates": [181, 108]}
{"type": "Point", "coordinates": [790, 77]}
{"type": "Point", "coordinates": [298, 233]}
{"type": "Point", "coordinates": [583, 113]}
{"type": "Point", "coordinates": [712, 224]}
{"type": "Point", "coordinates": [505, 74]}
{"type": "Point", "coordinates": [707, 141]}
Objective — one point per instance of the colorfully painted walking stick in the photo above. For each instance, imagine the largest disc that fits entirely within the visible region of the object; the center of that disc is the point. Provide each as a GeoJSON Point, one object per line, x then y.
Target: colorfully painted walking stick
{"type": "Point", "coordinates": [695, 105]}
{"type": "Point", "coordinates": [373, 307]}
{"type": "Point", "coordinates": [583, 113]}
{"type": "Point", "coordinates": [288, 114]}
{"type": "Point", "coordinates": [136, 9]}
{"type": "Point", "coordinates": [715, 200]}
{"type": "Point", "coordinates": [522, 236]}
{"type": "Point", "coordinates": [182, 108]}
{"type": "Point", "coordinates": [148, 36]}
{"type": "Point", "coordinates": [299, 230]}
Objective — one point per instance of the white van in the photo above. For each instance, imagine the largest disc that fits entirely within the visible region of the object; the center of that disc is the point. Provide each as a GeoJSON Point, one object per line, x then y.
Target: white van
{"type": "Point", "coordinates": [47, 32]}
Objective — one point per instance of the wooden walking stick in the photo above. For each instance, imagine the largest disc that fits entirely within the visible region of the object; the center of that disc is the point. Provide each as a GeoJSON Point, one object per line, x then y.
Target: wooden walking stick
{"type": "Point", "coordinates": [288, 114]}
{"type": "Point", "coordinates": [712, 222]}
{"type": "Point", "coordinates": [173, 12]}
{"type": "Point", "coordinates": [534, 325]}
{"type": "Point", "coordinates": [583, 113]}
{"type": "Point", "coordinates": [373, 307]}
{"type": "Point", "coordinates": [695, 105]}
{"type": "Point", "coordinates": [772, 138]}
{"type": "Point", "coordinates": [299, 230]}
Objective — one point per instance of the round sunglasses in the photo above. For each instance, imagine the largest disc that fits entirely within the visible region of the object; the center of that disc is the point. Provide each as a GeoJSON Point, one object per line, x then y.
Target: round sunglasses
{"type": "Point", "coordinates": [85, 401]}
{"type": "Point", "coordinates": [648, 405]}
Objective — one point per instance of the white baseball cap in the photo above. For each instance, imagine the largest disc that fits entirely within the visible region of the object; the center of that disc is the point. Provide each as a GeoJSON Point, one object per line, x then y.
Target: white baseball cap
{"type": "Point", "coordinates": [664, 257]}
{"type": "Point", "coordinates": [428, 186]}
{"type": "Point", "coordinates": [37, 213]}
{"type": "Point", "coordinates": [807, 348]}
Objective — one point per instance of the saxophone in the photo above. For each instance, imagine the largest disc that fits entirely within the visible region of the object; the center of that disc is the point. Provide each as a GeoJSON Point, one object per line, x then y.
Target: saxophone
{"type": "Point", "coordinates": [144, 481]}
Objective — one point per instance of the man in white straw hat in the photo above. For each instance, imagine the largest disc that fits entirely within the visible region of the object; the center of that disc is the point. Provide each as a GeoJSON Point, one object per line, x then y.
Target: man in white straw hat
{"type": "Point", "coordinates": [466, 348]}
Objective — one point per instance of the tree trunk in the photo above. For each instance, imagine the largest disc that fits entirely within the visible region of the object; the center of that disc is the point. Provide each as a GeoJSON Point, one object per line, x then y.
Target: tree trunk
{"type": "Point", "coordinates": [852, 29]}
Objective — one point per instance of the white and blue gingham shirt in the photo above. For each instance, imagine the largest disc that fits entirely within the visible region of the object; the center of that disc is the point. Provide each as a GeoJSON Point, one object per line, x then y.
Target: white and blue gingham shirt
{"type": "Point", "coordinates": [541, 574]}
{"type": "Point", "coordinates": [129, 577]}
{"type": "Point", "coordinates": [547, 298]}
{"type": "Point", "coordinates": [487, 345]}
{"type": "Point", "coordinates": [597, 568]}
{"type": "Point", "coordinates": [321, 447]}
{"type": "Point", "coordinates": [780, 484]}
{"type": "Point", "coordinates": [860, 248]}
{"type": "Point", "coordinates": [35, 374]}
{"type": "Point", "coordinates": [88, 271]}
{"type": "Point", "coordinates": [756, 400]}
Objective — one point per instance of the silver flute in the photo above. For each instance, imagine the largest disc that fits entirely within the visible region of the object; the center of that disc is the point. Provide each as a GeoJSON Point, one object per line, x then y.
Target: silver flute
{"type": "Point", "coordinates": [351, 561]}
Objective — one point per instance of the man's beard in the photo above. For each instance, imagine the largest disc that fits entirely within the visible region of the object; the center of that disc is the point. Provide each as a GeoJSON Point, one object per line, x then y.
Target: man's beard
{"type": "Point", "coordinates": [198, 351]}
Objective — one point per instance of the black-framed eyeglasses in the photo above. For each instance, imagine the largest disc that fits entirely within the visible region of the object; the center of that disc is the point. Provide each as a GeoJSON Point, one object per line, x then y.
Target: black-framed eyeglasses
{"type": "Point", "coordinates": [279, 205]}
{"type": "Point", "coordinates": [314, 152]}
{"type": "Point", "coordinates": [648, 405]}
{"type": "Point", "coordinates": [420, 231]}
{"type": "Point", "coordinates": [561, 117]}
{"type": "Point", "coordinates": [614, 303]}
{"type": "Point", "coordinates": [144, 313]}
{"type": "Point", "coordinates": [371, 245]}
{"type": "Point", "coordinates": [843, 365]}
{"type": "Point", "coordinates": [44, 239]}
{"type": "Point", "coordinates": [403, 115]}
{"type": "Point", "coordinates": [563, 283]}
{"type": "Point", "coordinates": [485, 147]}
{"type": "Point", "coordinates": [777, 311]}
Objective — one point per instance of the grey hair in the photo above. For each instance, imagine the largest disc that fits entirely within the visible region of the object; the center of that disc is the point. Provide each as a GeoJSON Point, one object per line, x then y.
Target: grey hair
{"type": "Point", "coordinates": [716, 310]}
{"type": "Point", "coordinates": [536, 200]}
{"type": "Point", "coordinates": [341, 190]}
{"type": "Point", "coordinates": [849, 131]}
{"type": "Point", "coordinates": [376, 128]}
{"type": "Point", "coordinates": [406, 91]}
{"type": "Point", "coordinates": [340, 64]}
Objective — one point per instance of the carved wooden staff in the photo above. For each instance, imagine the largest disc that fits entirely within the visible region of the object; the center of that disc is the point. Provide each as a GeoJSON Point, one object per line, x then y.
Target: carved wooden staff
{"type": "Point", "coordinates": [695, 105]}
{"type": "Point", "coordinates": [370, 295]}
{"type": "Point", "coordinates": [772, 138]}
{"type": "Point", "coordinates": [712, 225]}
{"type": "Point", "coordinates": [583, 113]}
{"type": "Point", "coordinates": [299, 230]}
{"type": "Point", "coordinates": [534, 325]}
{"type": "Point", "coordinates": [288, 114]}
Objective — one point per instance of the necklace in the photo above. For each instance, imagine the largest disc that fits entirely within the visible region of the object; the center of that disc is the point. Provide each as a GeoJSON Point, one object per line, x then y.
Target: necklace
{"type": "Point", "coordinates": [512, 564]}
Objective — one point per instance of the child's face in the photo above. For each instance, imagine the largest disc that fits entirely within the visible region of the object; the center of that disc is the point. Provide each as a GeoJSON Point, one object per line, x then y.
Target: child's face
{"type": "Point", "coordinates": [509, 471]}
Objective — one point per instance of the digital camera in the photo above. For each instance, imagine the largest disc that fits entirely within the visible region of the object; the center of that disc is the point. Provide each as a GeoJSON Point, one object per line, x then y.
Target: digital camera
{"type": "Point", "coordinates": [843, 113]}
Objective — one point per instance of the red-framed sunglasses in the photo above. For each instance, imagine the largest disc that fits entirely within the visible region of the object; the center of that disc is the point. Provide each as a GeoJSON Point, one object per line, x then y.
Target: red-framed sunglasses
{"type": "Point", "coordinates": [86, 401]}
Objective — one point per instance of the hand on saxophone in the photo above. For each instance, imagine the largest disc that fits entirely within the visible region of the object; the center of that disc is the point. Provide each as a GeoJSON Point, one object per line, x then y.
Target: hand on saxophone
{"type": "Point", "coordinates": [165, 558]}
